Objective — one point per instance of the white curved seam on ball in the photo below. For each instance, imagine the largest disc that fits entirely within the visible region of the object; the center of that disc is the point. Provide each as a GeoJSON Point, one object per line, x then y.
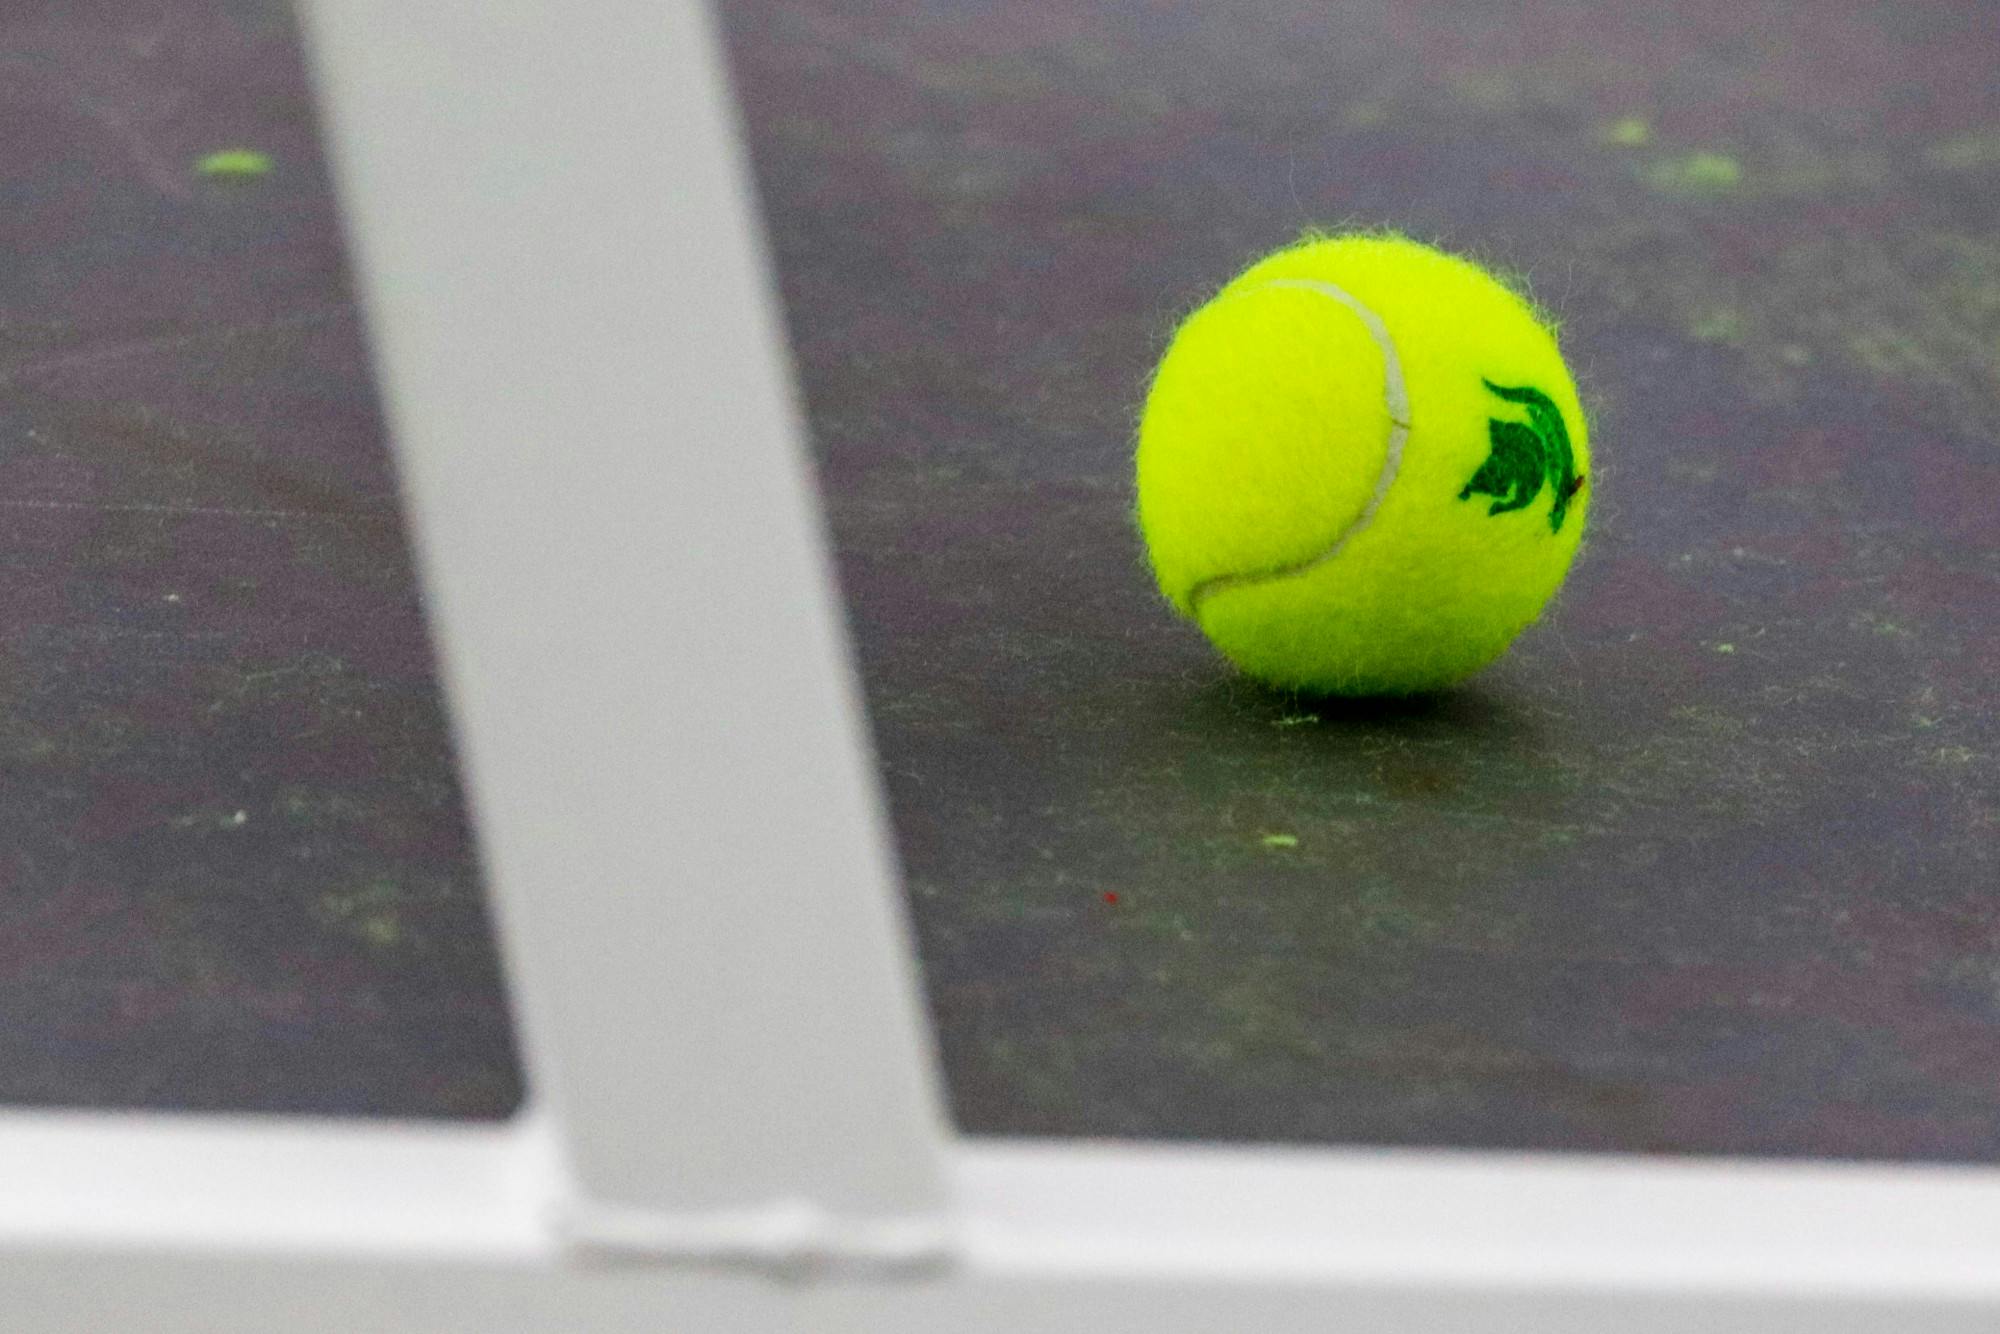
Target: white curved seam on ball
{"type": "Point", "coordinates": [1395, 398]}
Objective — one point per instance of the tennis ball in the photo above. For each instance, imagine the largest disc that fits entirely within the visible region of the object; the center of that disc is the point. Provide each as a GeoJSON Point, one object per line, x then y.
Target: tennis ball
{"type": "Point", "coordinates": [1361, 467]}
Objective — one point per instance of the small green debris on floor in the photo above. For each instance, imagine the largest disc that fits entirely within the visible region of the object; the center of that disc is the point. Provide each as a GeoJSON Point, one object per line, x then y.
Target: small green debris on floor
{"type": "Point", "coordinates": [1717, 326]}
{"type": "Point", "coordinates": [234, 163]}
{"type": "Point", "coordinates": [1281, 840]}
{"type": "Point", "coordinates": [1978, 150]}
{"type": "Point", "coordinates": [1627, 132]}
{"type": "Point", "coordinates": [1695, 174]}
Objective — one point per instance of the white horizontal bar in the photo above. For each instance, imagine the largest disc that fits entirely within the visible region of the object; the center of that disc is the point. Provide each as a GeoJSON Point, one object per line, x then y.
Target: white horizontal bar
{"type": "Point", "coordinates": [71, 1294]}
{"type": "Point", "coordinates": [793, 1239]}
{"type": "Point", "coordinates": [212, 1195]}
{"type": "Point", "coordinates": [1150, 1240]}
{"type": "Point", "coordinates": [1388, 1219]}
{"type": "Point", "coordinates": [237, 1186]}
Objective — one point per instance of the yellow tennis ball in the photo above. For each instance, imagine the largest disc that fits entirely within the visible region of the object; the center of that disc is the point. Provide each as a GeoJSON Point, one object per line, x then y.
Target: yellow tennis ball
{"type": "Point", "coordinates": [1361, 467]}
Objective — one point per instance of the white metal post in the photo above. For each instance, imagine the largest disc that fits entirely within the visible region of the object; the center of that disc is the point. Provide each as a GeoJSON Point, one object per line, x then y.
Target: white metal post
{"type": "Point", "coordinates": [555, 240]}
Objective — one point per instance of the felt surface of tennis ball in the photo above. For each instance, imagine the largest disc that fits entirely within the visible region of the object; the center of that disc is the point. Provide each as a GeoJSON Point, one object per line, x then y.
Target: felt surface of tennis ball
{"type": "Point", "coordinates": [1362, 468]}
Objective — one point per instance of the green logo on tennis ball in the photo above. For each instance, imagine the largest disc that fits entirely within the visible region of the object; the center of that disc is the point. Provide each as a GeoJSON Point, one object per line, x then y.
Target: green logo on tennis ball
{"type": "Point", "coordinates": [1526, 455]}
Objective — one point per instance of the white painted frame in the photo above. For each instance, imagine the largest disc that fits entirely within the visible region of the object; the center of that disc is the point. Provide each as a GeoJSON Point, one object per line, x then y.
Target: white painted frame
{"type": "Point", "coordinates": [736, 1122]}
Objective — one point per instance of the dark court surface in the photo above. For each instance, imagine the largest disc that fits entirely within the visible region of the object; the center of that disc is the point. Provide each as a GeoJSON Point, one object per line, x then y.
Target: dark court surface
{"type": "Point", "coordinates": [234, 865]}
{"type": "Point", "coordinates": [1708, 864]}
